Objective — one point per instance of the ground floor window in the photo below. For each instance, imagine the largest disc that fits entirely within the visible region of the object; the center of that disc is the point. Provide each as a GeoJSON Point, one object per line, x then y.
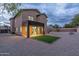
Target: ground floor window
{"type": "Point", "coordinates": [31, 28]}
{"type": "Point", "coordinates": [36, 30]}
{"type": "Point", "coordinates": [23, 30]}
{"type": "Point", "coordinates": [16, 29]}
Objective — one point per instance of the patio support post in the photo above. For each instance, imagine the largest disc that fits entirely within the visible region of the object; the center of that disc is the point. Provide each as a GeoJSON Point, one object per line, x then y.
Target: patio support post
{"type": "Point", "coordinates": [43, 30]}
{"type": "Point", "coordinates": [27, 29]}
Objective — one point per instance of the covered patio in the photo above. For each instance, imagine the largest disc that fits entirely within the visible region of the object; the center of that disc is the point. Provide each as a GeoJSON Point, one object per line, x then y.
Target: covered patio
{"type": "Point", "coordinates": [32, 28]}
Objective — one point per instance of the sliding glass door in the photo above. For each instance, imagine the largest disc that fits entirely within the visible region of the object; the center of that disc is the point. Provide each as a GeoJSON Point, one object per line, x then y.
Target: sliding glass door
{"type": "Point", "coordinates": [36, 30]}
{"type": "Point", "coordinates": [24, 30]}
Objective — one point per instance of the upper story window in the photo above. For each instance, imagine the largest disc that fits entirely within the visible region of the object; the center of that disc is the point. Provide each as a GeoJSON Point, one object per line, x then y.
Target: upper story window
{"type": "Point", "coordinates": [30, 18]}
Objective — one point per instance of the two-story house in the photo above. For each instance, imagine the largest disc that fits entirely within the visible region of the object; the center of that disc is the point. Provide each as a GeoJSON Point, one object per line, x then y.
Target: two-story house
{"type": "Point", "coordinates": [29, 22]}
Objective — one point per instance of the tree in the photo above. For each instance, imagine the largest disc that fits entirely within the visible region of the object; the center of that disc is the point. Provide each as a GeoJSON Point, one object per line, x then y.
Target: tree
{"type": "Point", "coordinates": [68, 26]}
{"type": "Point", "coordinates": [11, 8]}
{"type": "Point", "coordinates": [56, 26]}
{"type": "Point", "coordinates": [75, 21]}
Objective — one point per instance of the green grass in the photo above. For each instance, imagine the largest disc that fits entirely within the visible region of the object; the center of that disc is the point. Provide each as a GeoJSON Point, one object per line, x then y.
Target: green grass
{"type": "Point", "coordinates": [46, 38]}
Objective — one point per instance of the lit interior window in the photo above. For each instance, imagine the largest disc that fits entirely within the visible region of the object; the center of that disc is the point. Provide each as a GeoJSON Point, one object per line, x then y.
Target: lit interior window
{"type": "Point", "coordinates": [16, 29]}
{"type": "Point", "coordinates": [20, 29]}
{"type": "Point", "coordinates": [30, 18]}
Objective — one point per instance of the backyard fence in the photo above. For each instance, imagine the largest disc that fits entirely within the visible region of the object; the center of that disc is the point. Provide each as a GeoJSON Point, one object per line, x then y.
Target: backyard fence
{"type": "Point", "coordinates": [65, 30]}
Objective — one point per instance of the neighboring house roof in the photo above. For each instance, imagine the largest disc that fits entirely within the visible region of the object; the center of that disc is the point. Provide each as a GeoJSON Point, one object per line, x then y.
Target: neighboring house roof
{"type": "Point", "coordinates": [4, 27]}
{"type": "Point", "coordinates": [42, 14]}
{"type": "Point", "coordinates": [11, 18]}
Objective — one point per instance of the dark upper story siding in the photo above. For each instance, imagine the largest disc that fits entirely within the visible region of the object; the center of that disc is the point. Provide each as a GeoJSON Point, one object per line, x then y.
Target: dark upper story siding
{"type": "Point", "coordinates": [24, 13]}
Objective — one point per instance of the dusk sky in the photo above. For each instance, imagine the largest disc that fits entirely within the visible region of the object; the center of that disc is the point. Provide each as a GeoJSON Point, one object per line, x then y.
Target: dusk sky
{"type": "Point", "coordinates": [58, 13]}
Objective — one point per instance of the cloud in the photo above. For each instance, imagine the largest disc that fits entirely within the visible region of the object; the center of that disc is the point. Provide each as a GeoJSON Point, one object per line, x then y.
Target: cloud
{"type": "Point", "coordinates": [58, 13]}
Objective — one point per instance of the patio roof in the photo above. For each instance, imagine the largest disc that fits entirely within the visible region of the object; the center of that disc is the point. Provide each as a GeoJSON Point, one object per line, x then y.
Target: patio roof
{"type": "Point", "coordinates": [34, 23]}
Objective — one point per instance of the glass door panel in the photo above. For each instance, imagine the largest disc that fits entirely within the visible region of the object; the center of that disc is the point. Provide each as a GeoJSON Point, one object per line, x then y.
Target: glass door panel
{"type": "Point", "coordinates": [36, 30]}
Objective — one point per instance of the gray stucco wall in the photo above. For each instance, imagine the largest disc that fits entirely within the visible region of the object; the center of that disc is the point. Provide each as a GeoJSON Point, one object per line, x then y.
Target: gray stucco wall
{"type": "Point", "coordinates": [43, 19]}
{"type": "Point", "coordinates": [24, 16]}
{"type": "Point", "coordinates": [29, 13]}
{"type": "Point", "coordinates": [12, 25]}
{"type": "Point", "coordinates": [18, 24]}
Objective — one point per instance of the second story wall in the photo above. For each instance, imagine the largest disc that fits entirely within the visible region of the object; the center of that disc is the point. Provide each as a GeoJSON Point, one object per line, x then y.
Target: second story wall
{"type": "Point", "coordinates": [43, 19]}
{"type": "Point", "coordinates": [18, 21]}
{"type": "Point", "coordinates": [29, 15]}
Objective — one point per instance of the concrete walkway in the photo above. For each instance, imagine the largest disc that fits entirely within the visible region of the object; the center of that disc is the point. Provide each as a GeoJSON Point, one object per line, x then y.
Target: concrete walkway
{"type": "Point", "coordinates": [67, 45]}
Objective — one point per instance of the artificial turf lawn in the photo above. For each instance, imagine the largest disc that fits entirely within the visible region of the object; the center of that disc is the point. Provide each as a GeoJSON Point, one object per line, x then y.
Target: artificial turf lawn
{"type": "Point", "coordinates": [46, 38]}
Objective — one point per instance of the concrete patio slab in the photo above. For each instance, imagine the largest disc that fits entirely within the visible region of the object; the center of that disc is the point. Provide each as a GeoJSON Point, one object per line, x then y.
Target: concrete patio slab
{"type": "Point", "coordinates": [67, 45]}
